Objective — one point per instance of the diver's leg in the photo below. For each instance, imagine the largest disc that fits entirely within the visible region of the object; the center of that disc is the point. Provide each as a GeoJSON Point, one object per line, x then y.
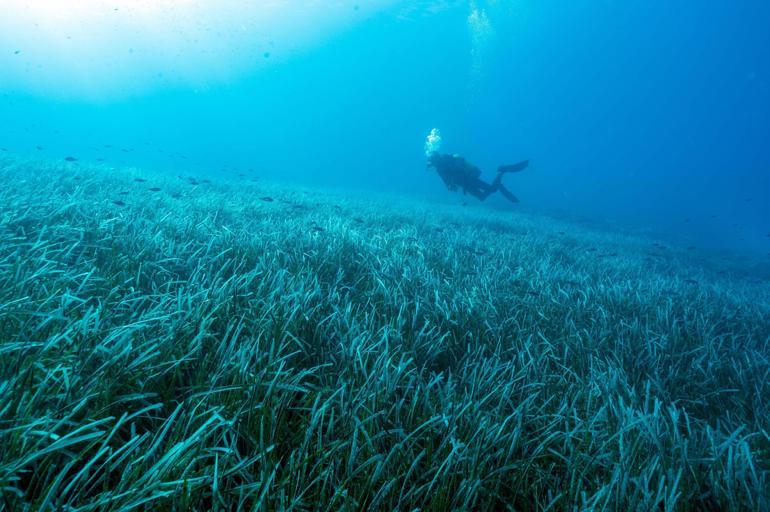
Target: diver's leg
{"type": "Point", "coordinates": [507, 194]}
{"type": "Point", "coordinates": [478, 193]}
{"type": "Point", "coordinates": [497, 182]}
{"type": "Point", "coordinates": [480, 189]}
{"type": "Point", "coordinates": [497, 185]}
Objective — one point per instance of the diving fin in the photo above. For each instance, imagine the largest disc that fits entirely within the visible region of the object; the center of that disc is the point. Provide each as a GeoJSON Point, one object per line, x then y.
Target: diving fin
{"type": "Point", "coordinates": [507, 194]}
{"type": "Point", "coordinates": [513, 168]}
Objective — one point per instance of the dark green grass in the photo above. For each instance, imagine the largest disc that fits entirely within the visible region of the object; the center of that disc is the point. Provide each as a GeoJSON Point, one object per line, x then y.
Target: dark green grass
{"type": "Point", "coordinates": [216, 351]}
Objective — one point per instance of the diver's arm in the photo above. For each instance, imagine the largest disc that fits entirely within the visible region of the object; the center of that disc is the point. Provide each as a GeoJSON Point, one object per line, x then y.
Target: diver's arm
{"type": "Point", "coordinates": [446, 178]}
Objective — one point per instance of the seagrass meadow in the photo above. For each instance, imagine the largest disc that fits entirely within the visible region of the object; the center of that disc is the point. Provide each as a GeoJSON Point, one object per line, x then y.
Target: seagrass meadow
{"type": "Point", "coordinates": [240, 345]}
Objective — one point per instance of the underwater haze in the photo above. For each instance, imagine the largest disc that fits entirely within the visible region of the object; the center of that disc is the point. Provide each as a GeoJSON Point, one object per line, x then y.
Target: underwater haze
{"type": "Point", "coordinates": [648, 115]}
{"type": "Point", "coordinates": [384, 255]}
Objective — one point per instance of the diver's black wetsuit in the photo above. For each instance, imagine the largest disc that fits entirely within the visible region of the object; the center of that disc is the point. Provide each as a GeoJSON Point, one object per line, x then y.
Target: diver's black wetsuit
{"type": "Point", "coordinates": [455, 171]}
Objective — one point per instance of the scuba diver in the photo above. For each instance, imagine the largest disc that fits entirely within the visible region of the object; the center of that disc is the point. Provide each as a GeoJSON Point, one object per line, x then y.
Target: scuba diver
{"type": "Point", "coordinates": [456, 172]}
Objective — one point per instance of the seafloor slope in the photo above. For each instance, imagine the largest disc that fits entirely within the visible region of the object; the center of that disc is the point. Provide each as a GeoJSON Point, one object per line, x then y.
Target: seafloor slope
{"type": "Point", "coordinates": [238, 344]}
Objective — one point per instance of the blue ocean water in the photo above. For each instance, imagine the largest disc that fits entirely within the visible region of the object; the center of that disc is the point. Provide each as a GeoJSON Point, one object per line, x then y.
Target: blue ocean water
{"type": "Point", "coordinates": [649, 116]}
{"type": "Point", "coordinates": [268, 255]}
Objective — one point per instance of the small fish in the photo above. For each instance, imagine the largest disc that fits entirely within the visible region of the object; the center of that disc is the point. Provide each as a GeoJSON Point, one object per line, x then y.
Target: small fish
{"type": "Point", "coordinates": [70, 159]}
{"type": "Point", "coordinates": [100, 159]}
{"type": "Point", "coordinates": [411, 239]}
{"type": "Point", "coordinates": [77, 178]}
{"type": "Point", "coordinates": [439, 230]}
{"type": "Point", "coordinates": [108, 145]}
{"type": "Point", "coordinates": [592, 249]}
{"type": "Point", "coordinates": [533, 294]}
{"type": "Point", "coordinates": [39, 148]}
{"type": "Point", "coordinates": [359, 220]}
{"type": "Point", "coordinates": [123, 193]}
{"type": "Point", "coordinates": [176, 196]}
{"type": "Point", "coordinates": [266, 199]}
{"type": "Point", "coordinates": [690, 281]}
{"type": "Point", "coordinates": [337, 207]}
{"type": "Point", "coordinates": [4, 149]}
{"type": "Point", "coordinates": [17, 52]}
{"type": "Point", "coordinates": [154, 189]}
{"type": "Point", "coordinates": [205, 181]}
{"type": "Point", "coordinates": [140, 180]}
{"type": "Point", "coordinates": [119, 203]}
{"type": "Point", "coordinates": [317, 229]}
{"type": "Point", "coordinates": [266, 55]}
